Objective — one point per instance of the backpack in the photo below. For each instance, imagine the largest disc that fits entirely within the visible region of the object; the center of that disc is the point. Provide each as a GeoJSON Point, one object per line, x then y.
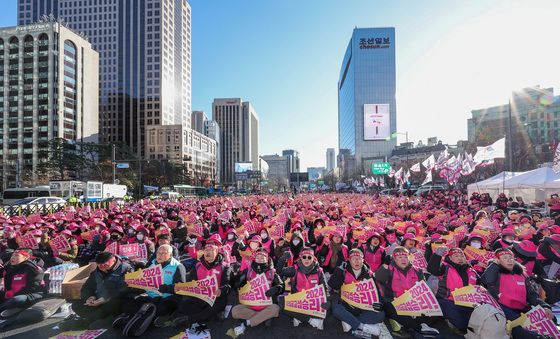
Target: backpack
{"type": "Point", "coordinates": [140, 322]}
{"type": "Point", "coordinates": [486, 322]}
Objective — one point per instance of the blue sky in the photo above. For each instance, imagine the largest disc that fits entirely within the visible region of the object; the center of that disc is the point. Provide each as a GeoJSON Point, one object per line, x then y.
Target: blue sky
{"type": "Point", "coordinates": [284, 57]}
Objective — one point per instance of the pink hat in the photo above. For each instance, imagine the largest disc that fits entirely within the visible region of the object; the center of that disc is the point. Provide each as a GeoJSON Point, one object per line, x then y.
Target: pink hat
{"type": "Point", "coordinates": [215, 239]}
{"type": "Point", "coordinates": [526, 248]}
{"type": "Point", "coordinates": [257, 239]}
{"type": "Point", "coordinates": [508, 231]}
{"type": "Point", "coordinates": [409, 236]}
{"type": "Point", "coordinates": [66, 232]}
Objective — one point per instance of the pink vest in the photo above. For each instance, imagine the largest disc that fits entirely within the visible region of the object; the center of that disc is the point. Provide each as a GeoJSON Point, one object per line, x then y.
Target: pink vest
{"type": "Point", "coordinates": [400, 282]}
{"type": "Point", "coordinates": [305, 282]}
{"type": "Point", "coordinates": [513, 293]}
{"type": "Point", "coordinates": [267, 245]}
{"type": "Point", "coordinates": [453, 280]}
{"type": "Point", "coordinates": [18, 282]}
{"type": "Point", "coordinates": [373, 259]}
{"type": "Point", "coordinates": [202, 272]}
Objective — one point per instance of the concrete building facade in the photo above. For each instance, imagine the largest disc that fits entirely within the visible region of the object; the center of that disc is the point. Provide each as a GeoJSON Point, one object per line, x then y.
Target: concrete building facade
{"type": "Point", "coordinates": [48, 90]}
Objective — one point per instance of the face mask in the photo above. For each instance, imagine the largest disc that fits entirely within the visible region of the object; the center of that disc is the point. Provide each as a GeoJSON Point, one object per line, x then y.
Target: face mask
{"type": "Point", "coordinates": [97, 229]}
{"type": "Point", "coordinates": [476, 244]}
{"type": "Point", "coordinates": [38, 240]}
{"type": "Point", "coordinates": [131, 232]}
{"type": "Point", "coordinates": [254, 245]}
{"type": "Point", "coordinates": [230, 236]}
{"type": "Point", "coordinates": [295, 242]}
{"type": "Point", "coordinates": [264, 235]}
{"type": "Point", "coordinates": [140, 236]}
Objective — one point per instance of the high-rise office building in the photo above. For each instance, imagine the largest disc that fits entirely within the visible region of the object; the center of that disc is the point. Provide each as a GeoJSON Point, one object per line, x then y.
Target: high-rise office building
{"type": "Point", "coordinates": [48, 90]}
{"type": "Point", "coordinates": [367, 114]}
{"type": "Point", "coordinates": [330, 159]}
{"type": "Point", "coordinates": [212, 131]}
{"type": "Point", "coordinates": [239, 135]}
{"type": "Point", "coordinates": [198, 121]}
{"type": "Point", "coordinates": [277, 172]}
{"type": "Point", "coordinates": [145, 60]}
{"type": "Point", "coordinates": [293, 160]}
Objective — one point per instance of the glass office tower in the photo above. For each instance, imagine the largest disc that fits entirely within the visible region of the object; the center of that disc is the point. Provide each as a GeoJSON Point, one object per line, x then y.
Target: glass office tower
{"type": "Point", "coordinates": [367, 114]}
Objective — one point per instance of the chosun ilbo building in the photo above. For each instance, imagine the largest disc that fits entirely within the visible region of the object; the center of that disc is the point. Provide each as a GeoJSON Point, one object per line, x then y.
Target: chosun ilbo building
{"type": "Point", "coordinates": [49, 89]}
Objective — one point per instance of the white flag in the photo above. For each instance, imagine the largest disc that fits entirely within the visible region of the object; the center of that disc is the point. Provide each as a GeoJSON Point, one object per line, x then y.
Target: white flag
{"type": "Point", "coordinates": [428, 178]}
{"type": "Point", "coordinates": [391, 172]}
{"type": "Point", "coordinates": [415, 168]}
{"type": "Point", "coordinates": [556, 161]}
{"type": "Point", "coordinates": [468, 165]}
{"type": "Point", "coordinates": [398, 175]}
{"type": "Point", "coordinates": [381, 182]}
{"type": "Point", "coordinates": [496, 150]}
{"type": "Point", "coordinates": [430, 162]}
{"type": "Point", "coordinates": [406, 176]}
{"type": "Point", "coordinates": [442, 159]}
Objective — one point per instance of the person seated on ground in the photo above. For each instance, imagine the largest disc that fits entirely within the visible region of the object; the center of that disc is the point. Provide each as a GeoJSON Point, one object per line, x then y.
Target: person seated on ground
{"type": "Point", "coordinates": [548, 257]}
{"type": "Point", "coordinates": [45, 252]}
{"type": "Point", "coordinates": [507, 282]}
{"type": "Point", "coordinates": [506, 239]}
{"type": "Point", "coordinates": [374, 251]}
{"type": "Point", "coordinates": [332, 252]}
{"type": "Point", "coordinates": [165, 300]}
{"type": "Point", "coordinates": [23, 281]}
{"type": "Point", "coordinates": [71, 254]}
{"type": "Point", "coordinates": [306, 274]}
{"type": "Point", "coordinates": [103, 292]}
{"type": "Point", "coordinates": [453, 272]}
{"type": "Point", "coordinates": [393, 280]}
{"type": "Point", "coordinates": [253, 316]}
{"type": "Point", "coordinates": [193, 311]}
{"type": "Point", "coordinates": [361, 322]}
{"type": "Point", "coordinates": [164, 239]}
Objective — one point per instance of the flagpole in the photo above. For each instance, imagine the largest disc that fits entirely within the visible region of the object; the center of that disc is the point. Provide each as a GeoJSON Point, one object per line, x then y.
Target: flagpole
{"type": "Point", "coordinates": [509, 155]}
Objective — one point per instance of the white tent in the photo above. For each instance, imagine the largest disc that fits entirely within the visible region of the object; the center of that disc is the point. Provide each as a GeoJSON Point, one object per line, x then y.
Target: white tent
{"type": "Point", "coordinates": [535, 185]}
{"type": "Point", "coordinates": [493, 185]}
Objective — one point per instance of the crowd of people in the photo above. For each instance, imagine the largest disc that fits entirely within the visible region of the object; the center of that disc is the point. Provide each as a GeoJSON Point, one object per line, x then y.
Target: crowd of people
{"type": "Point", "coordinates": [297, 243]}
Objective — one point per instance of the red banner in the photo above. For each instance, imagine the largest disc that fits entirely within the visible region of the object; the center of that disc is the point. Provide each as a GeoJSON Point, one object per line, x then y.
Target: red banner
{"type": "Point", "coordinates": [60, 244]}
{"type": "Point", "coordinates": [27, 241]}
{"type": "Point", "coordinates": [130, 251]}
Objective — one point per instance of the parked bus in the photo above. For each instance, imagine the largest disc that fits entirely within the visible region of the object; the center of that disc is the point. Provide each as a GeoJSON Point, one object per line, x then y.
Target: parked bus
{"type": "Point", "coordinates": [11, 195]}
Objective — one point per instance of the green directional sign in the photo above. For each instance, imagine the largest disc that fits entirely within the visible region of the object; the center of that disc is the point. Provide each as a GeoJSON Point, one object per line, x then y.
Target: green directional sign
{"type": "Point", "coordinates": [380, 168]}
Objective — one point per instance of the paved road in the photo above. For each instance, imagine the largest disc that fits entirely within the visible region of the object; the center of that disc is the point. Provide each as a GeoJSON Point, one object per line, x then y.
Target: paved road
{"type": "Point", "coordinates": [281, 329]}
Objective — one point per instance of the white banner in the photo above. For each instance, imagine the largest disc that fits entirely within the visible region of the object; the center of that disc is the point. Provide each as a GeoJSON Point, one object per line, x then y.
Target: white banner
{"type": "Point", "coordinates": [496, 150]}
{"type": "Point", "coordinates": [377, 122]}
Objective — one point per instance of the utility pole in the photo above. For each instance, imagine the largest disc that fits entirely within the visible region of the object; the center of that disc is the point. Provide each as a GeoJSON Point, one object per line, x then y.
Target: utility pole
{"type": "Point", "coordinates": [510, 144]}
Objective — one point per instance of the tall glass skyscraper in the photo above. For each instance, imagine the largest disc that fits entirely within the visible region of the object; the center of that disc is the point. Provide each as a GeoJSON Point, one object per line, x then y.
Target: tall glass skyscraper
{"type": "Point", "coordinates": [145, 60]}
{"type": "Point", "coordinates": [367, 114]}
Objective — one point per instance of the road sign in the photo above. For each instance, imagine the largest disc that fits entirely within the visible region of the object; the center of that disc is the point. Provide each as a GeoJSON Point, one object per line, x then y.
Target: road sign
{"type": "Point", "coordinates": [123, 165]}
{"type": "Point", "coordinates": [380, 167]}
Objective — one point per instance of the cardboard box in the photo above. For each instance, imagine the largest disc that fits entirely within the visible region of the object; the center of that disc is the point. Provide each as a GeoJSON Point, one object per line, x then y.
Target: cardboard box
{"type": "Point", "coordinates": [74, 280]}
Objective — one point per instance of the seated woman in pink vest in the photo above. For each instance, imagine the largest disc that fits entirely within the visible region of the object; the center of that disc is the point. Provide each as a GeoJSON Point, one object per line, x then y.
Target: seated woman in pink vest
{"type": "Point", "coordinates": [304, 275]}
{"type": "Point", "coordinates": [507, 282]}
{"type": "Point", "coordinates": [333, 252]}
{"type": "Point", "coordinates": [374, 251]}
{"type": "Point", "coordinates": [453, 272]}
{"type": "Point", "coordinates": [392, 281]}
{"type": "Point", "coordinates": [252, 316]}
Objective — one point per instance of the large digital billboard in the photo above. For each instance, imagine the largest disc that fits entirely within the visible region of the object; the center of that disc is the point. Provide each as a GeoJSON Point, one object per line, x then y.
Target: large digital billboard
{"type": "Point", "coordinates": [377, 122]}
{"type": "Point", "coordinates": [242, 167]}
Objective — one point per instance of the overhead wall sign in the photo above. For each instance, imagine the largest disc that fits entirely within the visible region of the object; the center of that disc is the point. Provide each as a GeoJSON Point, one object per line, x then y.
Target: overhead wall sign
{"type": "Point", "coordinates": [374, 43]}
{"type": "Point", "coordinates": [377, 122]}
